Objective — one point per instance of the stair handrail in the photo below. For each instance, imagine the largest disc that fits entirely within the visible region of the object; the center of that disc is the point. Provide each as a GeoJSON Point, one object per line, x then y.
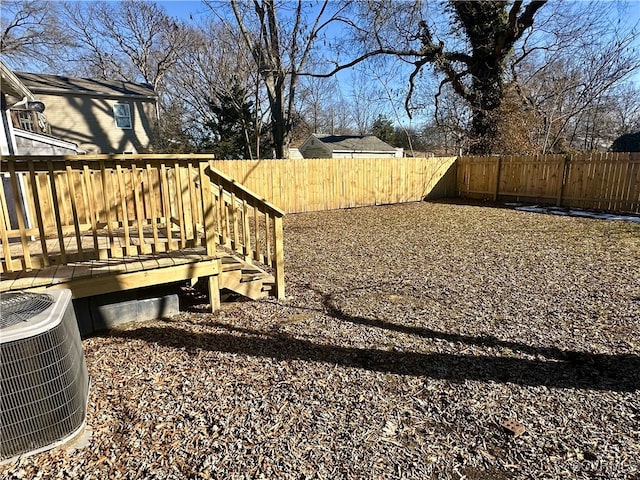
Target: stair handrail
{"type": "Point", "coordinates": [236, 231]}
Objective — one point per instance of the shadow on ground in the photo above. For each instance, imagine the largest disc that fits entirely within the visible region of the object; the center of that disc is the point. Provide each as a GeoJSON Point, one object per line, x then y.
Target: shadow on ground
{"type": "Point", "coordinates": [558, 369]}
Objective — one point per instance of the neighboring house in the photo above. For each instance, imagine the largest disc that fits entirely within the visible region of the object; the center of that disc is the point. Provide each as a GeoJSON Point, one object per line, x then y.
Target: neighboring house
{"type": "Point", "coordinates": [347, 146]}
{"type": "Point", "coordinates": [25, 130]}
{"type": "Point", "coordinates": [101, 116]}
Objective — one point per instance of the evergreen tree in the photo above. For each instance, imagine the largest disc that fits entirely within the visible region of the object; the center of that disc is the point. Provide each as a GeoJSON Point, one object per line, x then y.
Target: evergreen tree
{"type": "Point", "coordinates": [232, 125]}
{"type": "Point", "coordinates": [383, 129]}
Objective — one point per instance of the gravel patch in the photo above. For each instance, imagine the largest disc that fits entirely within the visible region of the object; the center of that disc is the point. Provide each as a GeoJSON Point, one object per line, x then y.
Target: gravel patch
{"type": "Point", "coordinates": [410, 333]}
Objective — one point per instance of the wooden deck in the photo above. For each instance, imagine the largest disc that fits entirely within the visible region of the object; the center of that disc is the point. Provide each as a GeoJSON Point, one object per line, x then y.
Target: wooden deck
{"type": "Point", "coordinates": [109, 223]}
{"type": "Point", "coordinates": [93, 273]}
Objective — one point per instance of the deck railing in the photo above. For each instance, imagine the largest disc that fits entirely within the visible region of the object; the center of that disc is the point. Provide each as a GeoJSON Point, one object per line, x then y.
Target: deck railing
{"type": "Point", "coordinates": [251, 227]}
{"type": "Point", "coordinates": [56, 210]}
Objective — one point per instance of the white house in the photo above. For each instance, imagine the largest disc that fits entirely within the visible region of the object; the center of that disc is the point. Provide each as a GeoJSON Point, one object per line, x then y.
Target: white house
{"type": "Point", "coordinates": [347, 146]}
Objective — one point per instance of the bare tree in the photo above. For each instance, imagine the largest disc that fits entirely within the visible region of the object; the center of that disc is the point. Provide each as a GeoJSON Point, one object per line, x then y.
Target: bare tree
{"type": "Point", "coordinates": [94, 56]}
{"type": "Point", "coordinates": [569, 78]}
{"type": "Point", "coordinates": [316, 101]}
{"type": "Point", "coordinates": [31, 32]}
{"type": "Point", "coordinates": [281, 38]}
{"type": "Point", "coordinates": [452, 120]}
{"type": "Point", "coordinates": [365, 101]}
{"type": "Point", "coordinates": [133, 40]}
{"type": "Point", "coordinates": [215, 66]}
{"type": "Point", "coordinates": [625, 110]}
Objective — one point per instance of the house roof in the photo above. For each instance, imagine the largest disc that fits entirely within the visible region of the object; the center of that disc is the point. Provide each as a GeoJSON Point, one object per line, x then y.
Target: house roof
{"type": "Point", "coordinates": [354, 143]}
{"type": "Point", "coordinates": [43, 83]}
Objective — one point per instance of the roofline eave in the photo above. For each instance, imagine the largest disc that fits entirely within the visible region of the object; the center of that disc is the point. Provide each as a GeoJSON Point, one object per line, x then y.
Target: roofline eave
{"type": "Point", "coordinates": [14, 82]}
{"type": "Point", "coordinates": [57, 91]}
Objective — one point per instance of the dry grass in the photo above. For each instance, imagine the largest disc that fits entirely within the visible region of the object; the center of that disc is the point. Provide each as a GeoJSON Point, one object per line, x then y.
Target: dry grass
{"type": "Point", "coordinates": [409, 334]}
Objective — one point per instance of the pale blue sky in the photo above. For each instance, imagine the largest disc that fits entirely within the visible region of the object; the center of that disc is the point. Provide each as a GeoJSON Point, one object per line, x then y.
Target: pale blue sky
{"type": "Point", "coordinates": [182, 9]}
{"type": "Point", "coordinates": [198, 12]}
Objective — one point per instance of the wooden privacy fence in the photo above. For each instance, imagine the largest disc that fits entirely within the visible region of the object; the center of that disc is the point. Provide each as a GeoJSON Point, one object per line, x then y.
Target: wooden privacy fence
{"type": "Point", "coordinates": [603, 181]}
{"type": "Point", "coordinates": [304, 185]}
{"type": "Point", "coordinates": [58, 210]}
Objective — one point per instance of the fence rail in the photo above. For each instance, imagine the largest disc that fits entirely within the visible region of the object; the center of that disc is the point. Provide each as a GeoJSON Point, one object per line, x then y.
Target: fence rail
{"type": "Point", "coordinates": [603, 181]}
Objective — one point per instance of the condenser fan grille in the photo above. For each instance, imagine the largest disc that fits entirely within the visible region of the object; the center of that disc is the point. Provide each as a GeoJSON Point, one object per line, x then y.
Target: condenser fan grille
{"type": "Point", "coordinates": [19, 307]}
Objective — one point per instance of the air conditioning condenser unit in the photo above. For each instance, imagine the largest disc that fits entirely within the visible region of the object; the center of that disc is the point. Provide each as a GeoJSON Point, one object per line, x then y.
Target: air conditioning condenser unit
{"type": "Point", "coordinates": [44, 384]}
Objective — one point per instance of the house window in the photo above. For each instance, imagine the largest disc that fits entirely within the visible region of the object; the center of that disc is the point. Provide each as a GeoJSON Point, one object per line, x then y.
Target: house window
{"type": "Point", "coordinates": [122, 114]}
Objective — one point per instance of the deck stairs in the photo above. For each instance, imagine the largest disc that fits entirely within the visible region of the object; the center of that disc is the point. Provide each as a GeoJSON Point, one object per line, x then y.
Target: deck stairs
{"type": "Point", "coordinates": [244, 279]}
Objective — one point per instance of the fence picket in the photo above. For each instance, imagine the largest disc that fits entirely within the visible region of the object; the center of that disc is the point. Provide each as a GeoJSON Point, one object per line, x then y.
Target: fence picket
{"type": "Point", "coordinates": [596, 180]}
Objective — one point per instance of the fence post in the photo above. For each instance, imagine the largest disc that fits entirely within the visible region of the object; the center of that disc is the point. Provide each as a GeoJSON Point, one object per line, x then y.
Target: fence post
{"type": "Point", "coordinates": [497, 189]}
{"type": "Point", "coordinates": [561, 180]}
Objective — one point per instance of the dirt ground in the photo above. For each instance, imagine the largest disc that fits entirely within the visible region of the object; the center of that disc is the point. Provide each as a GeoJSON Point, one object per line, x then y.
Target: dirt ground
{"type": "Point", "coordinates": [409, 335]}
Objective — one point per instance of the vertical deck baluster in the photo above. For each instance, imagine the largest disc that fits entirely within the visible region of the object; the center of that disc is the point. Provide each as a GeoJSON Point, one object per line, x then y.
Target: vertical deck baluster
{"type": "Point", "coordinates": [267, 237]}
{"type": "Point", "coordinates": [165, 210]}
{"type": "Point", "coordinates": [125, 212]}
{"type": "Point", "coordinates": [91, 195]}
{"type": "Point", "coordinates": [234, 222]}
{"type": "Point", "coordinates": [218, 206]}
{"type": "Point", "coordinates": [138, 209]}
{"type": "Point", "coordinates": [180, 207]}
{"type": "Point", "coordinates": [256, 225]}
{"type": "Point", "coordinates": [106, 201]}
{"type": "Point", "coordinates": [38, 211]}
{"type": "Point", "coordinates": [56, 211]}
{"type": "Point", "coordinates": [246, 233]}
{"type": "Point", "coordinates": [224, 214]}
{"type": "Point", "coordinates": [154, 217]}
{"type": "Point", "coordinates": [74, 209]}
{"type": "Point", "coordinates": [191, 183]}
{"type": "Point", "coordinates": [4, 226]}
{"type": "Point", "coordinates": [21, 216]}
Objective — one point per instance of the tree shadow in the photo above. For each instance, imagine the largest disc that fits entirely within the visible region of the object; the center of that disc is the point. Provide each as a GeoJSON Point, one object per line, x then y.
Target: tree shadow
{"type": "Point", "coordinates": [577, 370]}
{"type": "Point", "coordinates": [331, 309]}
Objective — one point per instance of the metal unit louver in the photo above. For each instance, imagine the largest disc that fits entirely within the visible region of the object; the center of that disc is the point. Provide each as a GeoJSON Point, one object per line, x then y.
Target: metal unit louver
{"type": "Point", "coordinates": [44, 384]}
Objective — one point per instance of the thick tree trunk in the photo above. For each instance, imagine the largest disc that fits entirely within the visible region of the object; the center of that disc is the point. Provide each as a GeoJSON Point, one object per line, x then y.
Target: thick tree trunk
{"type": "Point", "coordinates": [484, 130]}
{"type": "Point", "coordinates": [491, 29]}
{"type": "Point", "coordinates": [280, 139]}
{"type": "Point", "coordinates": [488, 93]}
{"type": "Point", "coordinates": [279, 128]}
{"type": "Point", "coordinates": [280, 124]}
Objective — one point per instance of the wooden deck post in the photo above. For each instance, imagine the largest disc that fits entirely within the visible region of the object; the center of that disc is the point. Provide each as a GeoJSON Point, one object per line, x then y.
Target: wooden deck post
{"type": "Point", "coordinates": [214, 287]}
{"type": "Point", "coordinates": [208, 204]}
{"type": "Point", "coordinates": [279, 254]}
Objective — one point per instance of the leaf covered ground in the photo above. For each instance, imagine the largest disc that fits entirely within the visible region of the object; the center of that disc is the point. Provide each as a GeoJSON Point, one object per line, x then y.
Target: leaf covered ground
{"type": "Point", "coordinates": [408, 335]}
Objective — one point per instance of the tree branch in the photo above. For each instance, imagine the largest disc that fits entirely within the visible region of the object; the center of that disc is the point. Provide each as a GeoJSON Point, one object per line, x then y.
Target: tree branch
{"type": "Point", "coordinates": [361, 58]}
